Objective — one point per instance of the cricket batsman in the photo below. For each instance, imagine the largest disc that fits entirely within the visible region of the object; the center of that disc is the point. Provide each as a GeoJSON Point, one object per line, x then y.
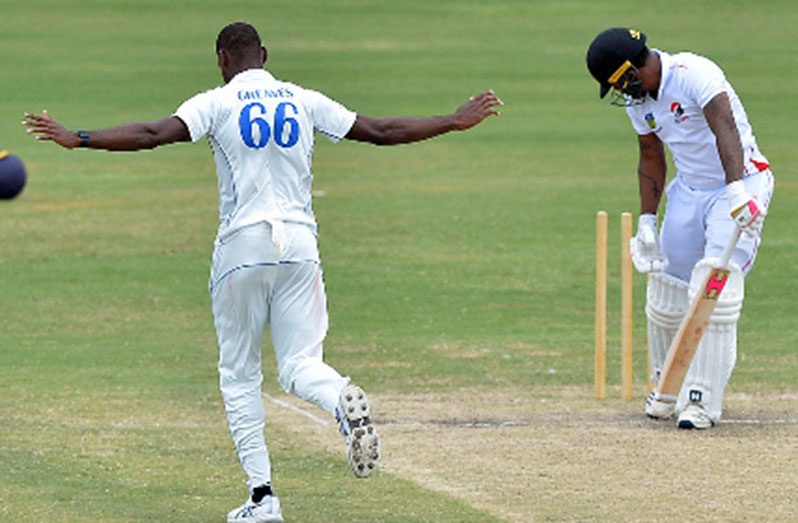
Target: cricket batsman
{"type": "Point", "coordinates": [723, 181]}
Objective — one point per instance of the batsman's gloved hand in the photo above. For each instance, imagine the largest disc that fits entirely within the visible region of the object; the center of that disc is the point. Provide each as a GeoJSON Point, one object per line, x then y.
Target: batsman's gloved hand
{"type": "Point", "coordinates": [744, 208]}
{"type": "Point", "coordinates": [644, 247]}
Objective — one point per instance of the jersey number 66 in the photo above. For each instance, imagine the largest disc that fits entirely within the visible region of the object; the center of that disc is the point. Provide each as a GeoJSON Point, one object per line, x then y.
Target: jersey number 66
{"type": "Point", "coordinates": [256, 131]}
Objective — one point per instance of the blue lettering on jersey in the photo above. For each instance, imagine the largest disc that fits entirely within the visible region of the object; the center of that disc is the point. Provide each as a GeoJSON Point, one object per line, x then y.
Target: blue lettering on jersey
{"type": "Point", "coordinates": [260, 94]}
{"type": "Point", "coordinates": [255, 94]}
{"type": "Point", "coordinates": [255, 130]}
{"type": "Point", "coordinates": [285, 124]}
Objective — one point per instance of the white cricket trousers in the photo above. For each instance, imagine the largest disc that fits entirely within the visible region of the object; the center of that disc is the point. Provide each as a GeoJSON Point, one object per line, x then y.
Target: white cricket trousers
{"type": "Point", "coordinates": [254, 285]}
{"type": "Point", "coordinates": [697, 225]}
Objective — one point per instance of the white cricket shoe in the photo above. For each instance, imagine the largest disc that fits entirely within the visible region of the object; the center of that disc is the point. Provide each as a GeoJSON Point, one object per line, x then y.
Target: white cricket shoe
{"type": "Point", "coordinates": [266, 511]}
{"type": "Point", "coordinates": [695, 416]}
{"type": "Point", "coordinates": [362, 441]}
{"type": "Point", "coordinates": [659, 408]}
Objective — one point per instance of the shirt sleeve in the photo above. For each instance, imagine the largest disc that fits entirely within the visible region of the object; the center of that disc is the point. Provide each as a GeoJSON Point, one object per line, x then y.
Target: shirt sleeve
{"type": "Point", "coordinates": [639, 121]}
{"type": "Point", "coordinates": [704, 80]}
{"type": "Point", "coordinates": [330, 118]}
{"type": "Point", "coordinates": [197, 113]}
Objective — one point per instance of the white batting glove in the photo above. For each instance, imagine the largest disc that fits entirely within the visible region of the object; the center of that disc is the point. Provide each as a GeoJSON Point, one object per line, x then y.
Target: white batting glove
{"type": "Point", "coordinates": [644, 247]}
{"type": "Point", "coordinates": [744, 208]}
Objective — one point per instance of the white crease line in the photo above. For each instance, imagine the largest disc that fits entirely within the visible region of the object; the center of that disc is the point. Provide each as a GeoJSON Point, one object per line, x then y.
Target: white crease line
{"type": "Point", "coordinates": [759, 422]}
{"type": "Point", "coordinates": [305, 413]}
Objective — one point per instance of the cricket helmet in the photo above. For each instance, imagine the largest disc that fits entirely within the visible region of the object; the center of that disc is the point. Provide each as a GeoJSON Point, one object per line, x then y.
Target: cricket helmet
{"type": "Point", "coordinates": [613, 58]}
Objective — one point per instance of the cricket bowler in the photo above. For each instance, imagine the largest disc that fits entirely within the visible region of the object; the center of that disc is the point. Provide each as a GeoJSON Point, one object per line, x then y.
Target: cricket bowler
{"type": "Point", "coordinates": [265, 270]}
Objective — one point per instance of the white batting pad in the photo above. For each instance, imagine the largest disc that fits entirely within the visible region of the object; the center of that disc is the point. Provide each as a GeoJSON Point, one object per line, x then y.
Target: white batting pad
{"type": "Point", "coordinates": [716, 355]}
{"type": "Point", "coordinates": [666, 305]}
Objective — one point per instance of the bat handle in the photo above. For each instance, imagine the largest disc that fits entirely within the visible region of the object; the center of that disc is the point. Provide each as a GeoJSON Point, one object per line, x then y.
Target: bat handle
{"type": "Point", "coordinates": [723, 261]}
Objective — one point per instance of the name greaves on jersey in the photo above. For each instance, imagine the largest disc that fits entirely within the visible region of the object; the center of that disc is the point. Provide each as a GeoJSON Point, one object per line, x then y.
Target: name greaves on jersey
{"type": "Point", "coordinates": [259, 94]}
{"type": "Point", "coordinates": [261, 132]}
{"type": "Point", "coordinates": [689, 82]}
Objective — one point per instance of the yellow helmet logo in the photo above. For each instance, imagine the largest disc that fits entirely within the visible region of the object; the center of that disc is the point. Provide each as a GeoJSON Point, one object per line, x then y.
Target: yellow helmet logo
{"type": "Point", "coordinates": [634, 33]}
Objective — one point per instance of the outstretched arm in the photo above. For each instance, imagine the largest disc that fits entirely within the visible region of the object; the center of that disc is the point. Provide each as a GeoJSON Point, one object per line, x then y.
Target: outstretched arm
{"type": "Point", "coordinates": [130, 137]}
{"type": "Point", "coordinates": [398, 130]}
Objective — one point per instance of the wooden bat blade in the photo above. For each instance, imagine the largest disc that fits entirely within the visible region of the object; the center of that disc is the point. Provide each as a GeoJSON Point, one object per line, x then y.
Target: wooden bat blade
{"type": "Point", "coordinates": [691, 330]}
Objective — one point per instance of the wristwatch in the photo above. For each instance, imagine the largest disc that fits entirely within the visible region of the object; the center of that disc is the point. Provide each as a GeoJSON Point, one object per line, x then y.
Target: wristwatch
{"type": "Point", "coordinates": [84, 138]}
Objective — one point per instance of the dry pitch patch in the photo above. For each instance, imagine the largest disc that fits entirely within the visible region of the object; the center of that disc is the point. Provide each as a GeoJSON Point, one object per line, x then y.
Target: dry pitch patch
{"type": "Point", "coordinates": [524, 456]}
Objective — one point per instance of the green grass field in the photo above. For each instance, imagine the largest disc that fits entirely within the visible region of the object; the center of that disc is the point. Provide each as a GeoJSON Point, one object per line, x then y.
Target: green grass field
{"type": "Point", "coordinates": [460, 264]}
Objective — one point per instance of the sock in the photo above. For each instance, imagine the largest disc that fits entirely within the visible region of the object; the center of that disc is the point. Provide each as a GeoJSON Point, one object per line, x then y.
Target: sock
{"type": "Point", "coordinates": [261, 491]}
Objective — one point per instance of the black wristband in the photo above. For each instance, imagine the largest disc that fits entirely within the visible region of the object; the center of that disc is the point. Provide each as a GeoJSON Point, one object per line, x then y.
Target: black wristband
{"type": "Point", "coordinates": [84, 138]}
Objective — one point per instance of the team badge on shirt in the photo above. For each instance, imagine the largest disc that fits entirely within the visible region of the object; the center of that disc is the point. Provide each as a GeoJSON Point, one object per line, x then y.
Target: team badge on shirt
{"type": "Point", "coordinates": [652, 123]}
{"type": "Point", "coordinates": [678, 112]}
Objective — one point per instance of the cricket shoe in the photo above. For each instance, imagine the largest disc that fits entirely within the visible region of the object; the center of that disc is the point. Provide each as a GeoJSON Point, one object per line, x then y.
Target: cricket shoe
{"type": "Point", "coordinates": [659, 408]}
{"type": "Point", "coordinates": [695, 417]}
{"type": "Point", "coordinates": [361, 437]}
{"type": "Point", "coordinates": [267, 510]}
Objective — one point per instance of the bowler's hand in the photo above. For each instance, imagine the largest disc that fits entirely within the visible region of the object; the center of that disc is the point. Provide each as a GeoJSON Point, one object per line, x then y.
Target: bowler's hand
{"type": "Point", "coordinates": [44, 128]}
{"type": "Point", "coordinates": [644, 247]}
{"type": "Point", "coordinates": [476, 109]}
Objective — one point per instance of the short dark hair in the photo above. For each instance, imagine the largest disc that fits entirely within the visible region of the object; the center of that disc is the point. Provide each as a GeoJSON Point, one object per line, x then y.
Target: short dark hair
{"type": "Point", "coordinates": [238, 37]}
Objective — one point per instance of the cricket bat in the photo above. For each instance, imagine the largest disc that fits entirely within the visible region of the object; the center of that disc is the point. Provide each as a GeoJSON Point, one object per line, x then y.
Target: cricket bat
{"type": "Point", "coordinates": [687, 338]}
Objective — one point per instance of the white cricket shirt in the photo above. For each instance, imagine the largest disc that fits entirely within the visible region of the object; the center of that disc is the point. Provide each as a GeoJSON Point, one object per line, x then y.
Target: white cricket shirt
{"type": "Point", "coordinates": [261, 132]}
{"type": "Point", "coordinates": [687, 85]}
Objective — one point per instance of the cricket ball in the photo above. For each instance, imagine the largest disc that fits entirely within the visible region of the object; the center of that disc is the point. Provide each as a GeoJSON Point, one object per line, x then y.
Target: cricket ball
{"type": "Point", "coordinates": [12, 176]}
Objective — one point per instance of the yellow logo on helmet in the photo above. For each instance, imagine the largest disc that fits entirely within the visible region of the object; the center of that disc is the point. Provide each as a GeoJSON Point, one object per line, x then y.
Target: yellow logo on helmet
{"type": "Point", "coordinates": [634, 33]}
